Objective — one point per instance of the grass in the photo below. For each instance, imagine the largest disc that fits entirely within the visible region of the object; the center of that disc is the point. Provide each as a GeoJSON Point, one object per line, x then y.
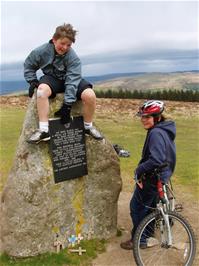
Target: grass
{"type": "Point", "coordinates": [11, 121]}
{"type": "Point", "coordinates": [121, 130]}
{"type": "Point", "coordinates": [130, 134]}
{"type": "Point", "coordinates": [187, 143]}
{"type": "Point", "coordinates": [126, 132]}
{"type": "Point", "coordinates": [64, 258]}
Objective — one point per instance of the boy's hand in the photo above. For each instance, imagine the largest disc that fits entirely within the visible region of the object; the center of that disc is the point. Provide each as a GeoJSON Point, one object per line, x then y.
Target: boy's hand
{"type": "Point", "coordinates": [33, 84]}
{"type": "Point", "coordinates": [64, 113]}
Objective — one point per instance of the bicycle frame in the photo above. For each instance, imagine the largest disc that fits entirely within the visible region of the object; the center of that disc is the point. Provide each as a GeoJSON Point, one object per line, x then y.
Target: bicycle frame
{"type": "Point", "coordinates": [169, 195]}
{"type": "Point", "coordinates": [166, 204]}
{"type": "Point", "coordinates": [163, 207]}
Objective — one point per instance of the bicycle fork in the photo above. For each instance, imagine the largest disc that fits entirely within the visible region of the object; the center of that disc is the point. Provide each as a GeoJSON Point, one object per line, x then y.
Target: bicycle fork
{"type": "Point", "coordinates": [165, 229]}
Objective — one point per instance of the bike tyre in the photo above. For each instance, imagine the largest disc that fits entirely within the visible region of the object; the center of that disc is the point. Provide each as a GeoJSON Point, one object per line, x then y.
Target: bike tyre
{"type": "Point", "coordinates": [154, 216]}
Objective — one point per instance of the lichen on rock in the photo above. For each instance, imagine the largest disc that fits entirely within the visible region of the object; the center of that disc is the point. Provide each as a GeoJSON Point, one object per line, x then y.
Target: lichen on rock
{"type": "Point", "coordinates": [34, 208]}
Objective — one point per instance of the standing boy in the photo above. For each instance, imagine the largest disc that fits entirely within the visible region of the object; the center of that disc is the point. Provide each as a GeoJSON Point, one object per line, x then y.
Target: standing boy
{"type": "Point", "coordinates": [159, 148]}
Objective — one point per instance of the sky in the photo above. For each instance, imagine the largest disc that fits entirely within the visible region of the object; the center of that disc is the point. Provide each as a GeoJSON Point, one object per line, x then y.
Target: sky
{"type": "Point", "coordinates": [113, 36]}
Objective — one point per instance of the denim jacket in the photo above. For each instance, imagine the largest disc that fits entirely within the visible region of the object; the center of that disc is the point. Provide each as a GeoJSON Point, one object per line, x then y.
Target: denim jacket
{"type": "Point", "coordinates": [65, 67]}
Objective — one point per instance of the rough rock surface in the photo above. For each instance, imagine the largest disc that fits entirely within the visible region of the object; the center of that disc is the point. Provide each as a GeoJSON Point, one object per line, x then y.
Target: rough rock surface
{"type": "Point", "coordinates": [35, 209]}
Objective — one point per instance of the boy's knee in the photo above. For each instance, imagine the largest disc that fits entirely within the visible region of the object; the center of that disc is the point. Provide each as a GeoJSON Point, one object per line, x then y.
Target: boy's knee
{"type": "Point", "coordinates": [43, 91]}
{"type": "Point", "coordinates": [88, 96]}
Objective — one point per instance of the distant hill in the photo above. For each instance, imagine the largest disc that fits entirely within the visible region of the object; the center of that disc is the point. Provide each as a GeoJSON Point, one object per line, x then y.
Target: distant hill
{"type": "Point", "coordinates": [129, 81]}
{"type": "Point", "coordinates": [106, 77]}
{"type": "Point", "coordinates": [7, 87]}
{"type": "Point", "coordinates": [151, 81]}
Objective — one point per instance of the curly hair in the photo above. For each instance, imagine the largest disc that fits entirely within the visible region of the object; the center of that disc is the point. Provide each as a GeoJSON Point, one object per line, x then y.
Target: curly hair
{"type": "Point", "coordinates": [65, 31]}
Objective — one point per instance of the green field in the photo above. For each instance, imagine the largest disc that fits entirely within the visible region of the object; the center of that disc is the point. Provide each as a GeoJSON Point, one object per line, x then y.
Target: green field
{"type": "Point", "coordinates": [125, 132]}
{"type": "Point", "coordinates": [119, 130]}
{"type": "Point", "coordinates": [131, 135]}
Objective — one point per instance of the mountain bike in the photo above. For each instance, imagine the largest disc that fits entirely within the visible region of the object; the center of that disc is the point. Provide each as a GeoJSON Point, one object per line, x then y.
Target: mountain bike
{"type": "Point", "coordinates": [164, 237]}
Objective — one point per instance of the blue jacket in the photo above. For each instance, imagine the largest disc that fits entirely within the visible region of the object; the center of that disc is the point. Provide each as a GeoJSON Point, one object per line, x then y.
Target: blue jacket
{"type": "Point", "coordinates": [65, 67]}
{"type": "Point", "coordinates": [159, 147]}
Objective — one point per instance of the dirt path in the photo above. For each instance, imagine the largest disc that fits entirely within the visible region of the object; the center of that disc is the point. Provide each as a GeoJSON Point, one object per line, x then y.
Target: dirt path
{"type": "Point", "coordinates": [115, 256]}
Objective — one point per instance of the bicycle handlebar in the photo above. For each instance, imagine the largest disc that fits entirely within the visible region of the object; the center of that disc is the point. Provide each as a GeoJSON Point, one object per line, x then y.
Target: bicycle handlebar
{"type": "Point", "coordinates": [156, 171]}
{"type": "Point", "coordinates": [159, 168]}
{"type": "Point", "coordinates": [159, 184]}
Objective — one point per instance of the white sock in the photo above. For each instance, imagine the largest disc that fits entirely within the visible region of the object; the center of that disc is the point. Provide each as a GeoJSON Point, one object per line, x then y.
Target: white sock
{"type": "Point", "coordinates": [88, 125]}
{"type": "Point", "coordinates": [43, 126]}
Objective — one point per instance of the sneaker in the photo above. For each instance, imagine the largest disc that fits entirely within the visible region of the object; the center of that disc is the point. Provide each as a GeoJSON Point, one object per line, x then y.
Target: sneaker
{"type": "Point", "coordinates": [39, 136]}
{"type": "Point", "coordinates": [128, 245]}
{"type": "Point", "coordinates": [143, 245]}
{"type": "Point", "coordinates": [94, 133]}
{"type": "Point", "coordinates": [151, 242]}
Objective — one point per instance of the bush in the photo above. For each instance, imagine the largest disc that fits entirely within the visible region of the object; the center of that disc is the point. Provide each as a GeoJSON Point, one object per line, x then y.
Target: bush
{"type": "Point", "coordinates": [171, 95]}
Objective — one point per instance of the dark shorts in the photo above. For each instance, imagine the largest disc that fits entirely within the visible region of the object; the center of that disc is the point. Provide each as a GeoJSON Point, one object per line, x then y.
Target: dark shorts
{"type": "Point", "coordinates": [57, 85]}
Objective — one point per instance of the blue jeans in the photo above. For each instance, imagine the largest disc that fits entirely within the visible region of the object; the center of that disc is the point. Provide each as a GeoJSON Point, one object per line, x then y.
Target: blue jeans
{"type": "Point", "coordinates": [141, 199]}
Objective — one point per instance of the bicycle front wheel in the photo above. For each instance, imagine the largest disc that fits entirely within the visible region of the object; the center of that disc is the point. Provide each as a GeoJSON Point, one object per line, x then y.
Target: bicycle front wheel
{"type": "Point", "coordinates": [151, 248]}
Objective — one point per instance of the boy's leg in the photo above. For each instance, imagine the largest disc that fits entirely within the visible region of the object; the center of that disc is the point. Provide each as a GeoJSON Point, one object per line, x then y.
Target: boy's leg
{"type": "Point", "coordinates": [48, 88]}
{"type": "Point", "coordinates": [140, 203]}
{"type": "Point", "coordinates": [88, 97]}
{"type": "Point", "coordinates": [42, 134]}
{"type": "Point", "coordinates": [89, 104]}
{"type": "Point", "coordinates": [43, 93]}
{"type": "Point", "coordinates": [134, 206]}
{"type": "Point", "coordinates": [137, 209]}
{"type": "Point", "coordinates": [141, 200]}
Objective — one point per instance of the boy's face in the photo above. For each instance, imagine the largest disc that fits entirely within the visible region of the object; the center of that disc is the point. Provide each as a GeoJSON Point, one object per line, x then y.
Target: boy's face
{"type": "Point", "coordinates": [147, 121]}
{"type": "Point", "coordinates": [62, 46]}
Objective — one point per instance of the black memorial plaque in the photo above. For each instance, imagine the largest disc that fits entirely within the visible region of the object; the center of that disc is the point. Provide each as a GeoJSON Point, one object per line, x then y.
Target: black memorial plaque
{"type": "Point", "coordinates": [68, 149]}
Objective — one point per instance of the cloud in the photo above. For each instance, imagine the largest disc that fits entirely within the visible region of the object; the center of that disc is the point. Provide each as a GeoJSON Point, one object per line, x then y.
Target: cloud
{"type": "Point", "coordinates": [157, 60]}
{"type": "Point", "coordinates": [112, 36]}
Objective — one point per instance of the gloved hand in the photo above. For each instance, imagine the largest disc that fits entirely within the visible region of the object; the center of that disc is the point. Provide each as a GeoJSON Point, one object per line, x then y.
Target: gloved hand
{"type": "Point", "coordinates": [64, 113]}
{"type": "Point", "coordinates": [33, 84]}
